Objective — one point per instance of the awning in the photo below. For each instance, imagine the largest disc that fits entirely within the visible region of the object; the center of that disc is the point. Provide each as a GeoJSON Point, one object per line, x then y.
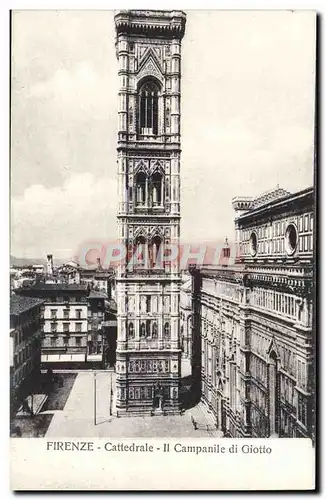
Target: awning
{"type": "Point", "coordinates": [62, 358]}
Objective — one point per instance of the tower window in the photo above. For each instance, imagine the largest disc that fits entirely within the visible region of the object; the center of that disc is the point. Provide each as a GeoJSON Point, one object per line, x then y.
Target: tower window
{"type": "Point", "coordinates": [167, 330]}
{"type": "Point", "coordinates": [157, 189]}
{"type": "Point", "coordinates": [156, 252]}
{"type": "Point", "coordinates": [141, 188]}
{"type": "Point", "coordinates": [141, 252]}
{"type": "Point", "coordinates": [148, 108]}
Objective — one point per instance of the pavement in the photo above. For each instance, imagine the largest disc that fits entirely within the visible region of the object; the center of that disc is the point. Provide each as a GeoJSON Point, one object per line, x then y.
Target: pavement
{"type": "Point", "coordinates": [87, 416]}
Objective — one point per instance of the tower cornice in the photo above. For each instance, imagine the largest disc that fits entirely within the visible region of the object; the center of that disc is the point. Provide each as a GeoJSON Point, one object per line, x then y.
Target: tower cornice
{"type": "Point", "coordinates": [157, 23]}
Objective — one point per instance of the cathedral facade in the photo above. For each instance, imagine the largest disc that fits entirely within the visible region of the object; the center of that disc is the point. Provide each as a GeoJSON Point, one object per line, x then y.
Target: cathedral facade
{"type": "Point", "coordinates": [254, 332]}
{"type": "Point", "coordinates": [148, 47]}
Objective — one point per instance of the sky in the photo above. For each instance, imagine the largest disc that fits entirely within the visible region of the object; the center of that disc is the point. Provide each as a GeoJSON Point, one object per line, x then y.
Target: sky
{"type": "Point", "coordinates": [247, 122]}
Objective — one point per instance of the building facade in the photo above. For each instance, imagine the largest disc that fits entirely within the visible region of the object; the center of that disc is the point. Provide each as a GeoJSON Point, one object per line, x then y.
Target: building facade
{"type": "Point", "coordinates": [65, 322]}
{"type": "Point", "coordinates": [254, 347]}
{"type": "Point", "coordinates": [148, 45]}
{"type": "Point", "coordinates": [25, 346]}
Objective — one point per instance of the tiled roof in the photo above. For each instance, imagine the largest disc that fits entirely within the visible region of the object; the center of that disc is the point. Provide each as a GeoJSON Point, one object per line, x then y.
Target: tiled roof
{"type": "Point", "coordinates": [271, 195]}
{"type": "Point", "coordinates": [20, 304]}
{"type": "Point", "coordinates": [59, 286]}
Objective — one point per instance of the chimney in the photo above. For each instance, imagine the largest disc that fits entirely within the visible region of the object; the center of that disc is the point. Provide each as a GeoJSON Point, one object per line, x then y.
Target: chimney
{"type": "Point", "coordinates": [49, 265]}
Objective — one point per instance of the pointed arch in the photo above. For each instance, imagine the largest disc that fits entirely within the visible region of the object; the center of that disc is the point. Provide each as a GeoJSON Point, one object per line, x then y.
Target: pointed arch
{"type": "Point", "coordinates": [141, 167]}
{"type": "Point", "coordinates": [140, 231]}
{"type": "Point", "coordinates": [272, 351]}
{"type": "Point", "coordinates": [157, 166]}
{"type": "Point", "coordinates": [156, 231]}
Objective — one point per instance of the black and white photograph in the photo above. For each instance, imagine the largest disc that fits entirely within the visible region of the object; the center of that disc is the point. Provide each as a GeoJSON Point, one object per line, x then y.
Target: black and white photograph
{"type": "Point", "coordinates": [163, 227]}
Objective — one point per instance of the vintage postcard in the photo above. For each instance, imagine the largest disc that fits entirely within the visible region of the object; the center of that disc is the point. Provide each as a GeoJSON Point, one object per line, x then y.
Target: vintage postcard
{"type": "Point", "coordinates": [163, 250]}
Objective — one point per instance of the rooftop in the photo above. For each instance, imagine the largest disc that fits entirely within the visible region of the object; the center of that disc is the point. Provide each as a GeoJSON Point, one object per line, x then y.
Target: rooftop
{"type": "Point", "coordinates": [278, 199]}
{"type": "Point", "coordinates": [41, 288]}
{"type": "Point", "coordinates": [20, 304]}
{"type": "Point", "coordinates": [64, 287]}
{"type": "Point", "coordinates": [271, 195]}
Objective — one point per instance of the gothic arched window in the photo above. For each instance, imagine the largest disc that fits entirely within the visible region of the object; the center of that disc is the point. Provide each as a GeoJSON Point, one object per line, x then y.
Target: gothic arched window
{"type": "Point", "coordinates": [154, 330]}
{"type": "Point", "coordinates": [148, 108]}
{"type": "Point", "coordinates": [141, 252]}
{"type": "Point", "coordinates": [157, 189]}
{"type": "Point", "coordinates": [156, 252]}
{"type": "Point", "coordinates": [142, 330]}
{"type": "Point", "coordinates": [141, 189]}
{"type": "Point", "coordinates": [167, 330]}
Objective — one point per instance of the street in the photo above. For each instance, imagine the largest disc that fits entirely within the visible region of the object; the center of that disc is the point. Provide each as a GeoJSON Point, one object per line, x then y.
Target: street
{"type": "Point", "coordinates": [77, 417]}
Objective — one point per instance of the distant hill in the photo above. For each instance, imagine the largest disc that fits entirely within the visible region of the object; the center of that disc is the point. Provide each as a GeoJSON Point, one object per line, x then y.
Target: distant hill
{"type": "Point", "coordinates": [22, 262]}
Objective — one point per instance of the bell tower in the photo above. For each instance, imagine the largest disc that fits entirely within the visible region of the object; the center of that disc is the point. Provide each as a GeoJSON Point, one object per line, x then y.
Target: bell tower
{"type": "Point", "coordinates": [148, 46]}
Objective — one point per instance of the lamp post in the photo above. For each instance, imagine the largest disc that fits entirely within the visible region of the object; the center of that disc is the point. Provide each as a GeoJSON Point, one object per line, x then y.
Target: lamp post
{"type": "Point", "coordinates": [111, 394]}
{"type": "Point", "coordinates": [94, 398]}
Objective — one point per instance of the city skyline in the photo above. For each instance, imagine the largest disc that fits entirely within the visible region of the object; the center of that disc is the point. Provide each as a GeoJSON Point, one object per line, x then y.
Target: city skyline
{"type": "Point", "coordinates": [64, 124]}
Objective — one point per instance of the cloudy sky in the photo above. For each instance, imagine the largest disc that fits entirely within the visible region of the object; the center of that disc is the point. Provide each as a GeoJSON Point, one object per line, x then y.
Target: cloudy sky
{"type": "Point", "coordinates": [247, 121]}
